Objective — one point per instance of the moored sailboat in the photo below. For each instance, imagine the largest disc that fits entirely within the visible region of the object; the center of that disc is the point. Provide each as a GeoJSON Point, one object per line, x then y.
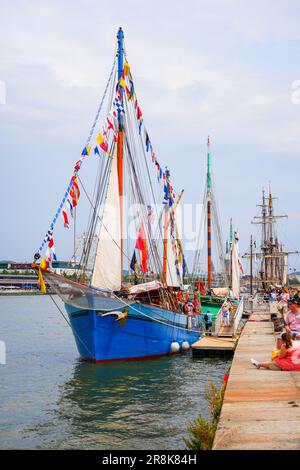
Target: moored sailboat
{"type": "Point", "coordinates": [110, 319]}
{"type": "Point", "coordinates": [221, 278]}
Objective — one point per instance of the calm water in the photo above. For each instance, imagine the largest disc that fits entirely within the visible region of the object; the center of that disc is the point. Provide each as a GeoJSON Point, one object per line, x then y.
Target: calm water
{"type": "Point", "coordinates": [50, 399]}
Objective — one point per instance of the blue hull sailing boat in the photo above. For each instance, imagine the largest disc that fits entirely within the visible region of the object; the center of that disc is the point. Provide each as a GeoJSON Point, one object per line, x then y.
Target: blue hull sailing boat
{"type": "Point", "coordinates": [112, 320]}
{"type": "Point", "coordinates": [147, 332]}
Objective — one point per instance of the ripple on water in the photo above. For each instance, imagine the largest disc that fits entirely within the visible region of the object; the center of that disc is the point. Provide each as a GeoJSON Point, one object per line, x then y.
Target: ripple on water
{"type": "Point", "coordinates": [50, 399]}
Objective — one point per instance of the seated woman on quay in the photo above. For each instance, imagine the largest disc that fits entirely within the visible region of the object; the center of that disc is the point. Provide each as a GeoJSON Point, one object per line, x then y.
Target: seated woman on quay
{"type": "Point", "coordinates": [292, 321]}
{"type": "Point", "coordinates": [288, 358]}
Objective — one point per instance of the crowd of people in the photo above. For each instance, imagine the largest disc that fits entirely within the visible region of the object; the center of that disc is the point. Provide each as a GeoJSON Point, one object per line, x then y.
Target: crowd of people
{"type": "Point", "coordinates": [190, 304]}
{"type": "Point", "coordinates": [284, 297]}
{"type": "Point", "coordinates": [286, 355]}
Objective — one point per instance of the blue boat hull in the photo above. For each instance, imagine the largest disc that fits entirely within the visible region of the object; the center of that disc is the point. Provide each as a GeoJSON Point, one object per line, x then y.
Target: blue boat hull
{"type": "Point", "coordinates": [146, 332]}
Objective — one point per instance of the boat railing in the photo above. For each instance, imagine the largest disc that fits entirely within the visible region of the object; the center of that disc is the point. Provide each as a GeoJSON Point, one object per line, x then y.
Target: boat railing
{"type": "Point", "coordinates": [197, 324]}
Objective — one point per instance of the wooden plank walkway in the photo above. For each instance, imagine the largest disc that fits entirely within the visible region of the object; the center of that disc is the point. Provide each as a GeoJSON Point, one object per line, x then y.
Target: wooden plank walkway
{"type": "Point", "coordinates": [212, 345]}
{"type": "Point", "coordinates": [261, 408]}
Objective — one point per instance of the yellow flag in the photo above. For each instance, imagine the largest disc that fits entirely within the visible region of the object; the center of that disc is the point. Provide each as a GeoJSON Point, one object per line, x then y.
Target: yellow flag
{"type": "Point", "coordinates": [126, 68]}
{"type": "Point", "coordinates": [122, 83]}
{"type": "Point", "coordinates": [42, 282]}
{"type": "Point", "coordinates": [88, 149]}
{"type": "Point", "coordinates": [43, 264]}
{"type": "Point", "coordinates": [99, 139]}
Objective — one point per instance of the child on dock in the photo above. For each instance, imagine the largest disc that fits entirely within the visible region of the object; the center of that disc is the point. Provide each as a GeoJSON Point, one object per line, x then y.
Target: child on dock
{"type": "Point", "coordinates": [288, 358]}
{"type": "Point", "coordinates": [208, 322]}
{"type": "Point", "coordinates": [226, 313]}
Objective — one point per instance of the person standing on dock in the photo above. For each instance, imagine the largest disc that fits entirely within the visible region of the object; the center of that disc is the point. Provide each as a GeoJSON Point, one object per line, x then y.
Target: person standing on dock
{"type": "Point", "coordinates": [226, 313]}
{"type": "Point", "coordinates": [208, 322]}
{"type": "Point", "coordinates": [283, 305]}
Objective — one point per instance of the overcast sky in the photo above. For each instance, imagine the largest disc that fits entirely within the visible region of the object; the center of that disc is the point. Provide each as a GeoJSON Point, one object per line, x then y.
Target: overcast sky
{"type": "Point", "coordinates": [221, 68]}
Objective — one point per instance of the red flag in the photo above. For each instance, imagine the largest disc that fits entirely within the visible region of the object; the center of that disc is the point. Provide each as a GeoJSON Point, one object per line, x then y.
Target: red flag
{"type": "Point", "coordinates": [73, 196]}
{"type": "Point", "coordinates": [141, 244]}
{"type": "Point", "coordinates": [75, 185]}
{"type": "Point", "coordinates": [65, 217]}
{"type": "Point", "coordinates": [110, 124]}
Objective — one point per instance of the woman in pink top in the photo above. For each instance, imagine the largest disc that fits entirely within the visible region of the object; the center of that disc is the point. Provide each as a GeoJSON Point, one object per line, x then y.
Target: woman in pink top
{"type": "Point", "coordinates": [292, 321]}
{"type": "Point", "coordinates": [288, 358]}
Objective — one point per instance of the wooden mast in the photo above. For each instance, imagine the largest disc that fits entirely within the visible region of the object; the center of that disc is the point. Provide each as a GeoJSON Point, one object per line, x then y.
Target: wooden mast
{"type": "Point", "coordinates": [271, 256]}
{"type": "Point", "coordinates": [251, 266]}
{"type": "Point", "coordinates": [120, 37]}
{"type": "Point", "coordinates": [271, 242]}
{"type": "Point", "coordinates": [230, 251]}
{"type": "Point", "coordinates": [264, 244]}
{"type": "Point", "coordinates": [209, 225]}
{"type": "Point", "coordinates": [165, 246]}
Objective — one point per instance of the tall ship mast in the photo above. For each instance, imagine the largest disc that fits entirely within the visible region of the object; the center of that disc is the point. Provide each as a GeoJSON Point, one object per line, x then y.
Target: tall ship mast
{"type": "Point", "coordinates": [111, 317]}
{"type": "Point", "coordinates": [272, 258]}
{"type": "Point", "coordinates": [219, 271]}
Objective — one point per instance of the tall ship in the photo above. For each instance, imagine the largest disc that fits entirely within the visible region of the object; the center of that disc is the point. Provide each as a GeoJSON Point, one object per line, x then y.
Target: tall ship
{"type": "Point", "coordinates": [122, 302]}
{"type": "Point", "coordinates": [218, 272]}
{"type": "Point", "coordinates": [269, 258]}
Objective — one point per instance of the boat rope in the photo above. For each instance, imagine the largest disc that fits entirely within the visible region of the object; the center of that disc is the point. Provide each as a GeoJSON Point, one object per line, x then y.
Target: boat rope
{"type": "Point", "coordinates": [105, 228]}
{"type": "Point", "coordinates": [75, 333]}
{"type": "Point", "coordinates": [173, 325]}
{"type": "Point", "coordinates": [148, 316]}
{"type": "Point", "coordinates": [101, 104]}
{"type": "Point", "coordinates": [55, 218]}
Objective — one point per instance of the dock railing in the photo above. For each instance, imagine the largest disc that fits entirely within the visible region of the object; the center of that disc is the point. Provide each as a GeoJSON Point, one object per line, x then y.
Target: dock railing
{"type": "Point", "coordinates": [237, 316]}
{"type": "Point", "coordinates": [217, 323]}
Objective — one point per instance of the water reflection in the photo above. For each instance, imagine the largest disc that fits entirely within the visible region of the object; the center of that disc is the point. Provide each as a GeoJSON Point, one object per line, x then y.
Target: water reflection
{"type": "Point", "coordinates": [134, 405]}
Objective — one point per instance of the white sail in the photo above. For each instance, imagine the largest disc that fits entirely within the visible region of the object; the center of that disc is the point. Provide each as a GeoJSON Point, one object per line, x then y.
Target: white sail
{"type": "Point", "coordinates": [235, 271]}
{"type": "Point", "coordinates": [107, 266]}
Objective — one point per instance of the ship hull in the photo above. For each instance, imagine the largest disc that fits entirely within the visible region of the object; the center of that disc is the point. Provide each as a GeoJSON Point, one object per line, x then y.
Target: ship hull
{"type": "Point", "coordinates": [146, 332]}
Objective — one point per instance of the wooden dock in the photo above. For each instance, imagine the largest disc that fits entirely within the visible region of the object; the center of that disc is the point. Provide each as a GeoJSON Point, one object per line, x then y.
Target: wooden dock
{"type": "Point", "coordinates": [213, 346]}
{"type": "Point", "coordinates": [261, 408]}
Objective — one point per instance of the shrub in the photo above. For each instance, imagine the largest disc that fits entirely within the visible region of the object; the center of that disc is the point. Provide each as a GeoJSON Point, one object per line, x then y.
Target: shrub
{"type": "Point", "coordinates": [202, 431]}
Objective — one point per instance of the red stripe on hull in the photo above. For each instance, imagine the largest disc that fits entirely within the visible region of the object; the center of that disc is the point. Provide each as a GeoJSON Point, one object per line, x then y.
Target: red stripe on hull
{"type": "Point", "coordinates": [143, 358]}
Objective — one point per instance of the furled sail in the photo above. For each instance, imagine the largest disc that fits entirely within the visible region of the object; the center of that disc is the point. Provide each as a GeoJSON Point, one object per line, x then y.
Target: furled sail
{"type": "Point", "coordinates": [107, 266]}
{"type": "Point", "coordinates": [172, 276]}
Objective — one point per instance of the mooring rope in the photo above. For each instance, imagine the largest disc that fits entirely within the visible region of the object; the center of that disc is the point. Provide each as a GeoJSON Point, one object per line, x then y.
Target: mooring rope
{"type": "Point", "coordinates": [68, 322]}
